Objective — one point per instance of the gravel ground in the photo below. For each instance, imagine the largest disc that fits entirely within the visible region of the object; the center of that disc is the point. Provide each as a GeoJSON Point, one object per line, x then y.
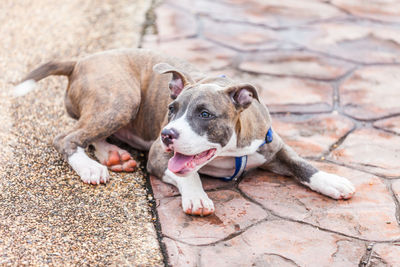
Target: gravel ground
{"type": "Point", "coordinates": [47, 215]}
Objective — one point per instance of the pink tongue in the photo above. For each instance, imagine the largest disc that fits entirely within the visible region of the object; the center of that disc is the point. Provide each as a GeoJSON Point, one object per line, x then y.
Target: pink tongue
{"type": "Point", "coordinates": [178, 161]}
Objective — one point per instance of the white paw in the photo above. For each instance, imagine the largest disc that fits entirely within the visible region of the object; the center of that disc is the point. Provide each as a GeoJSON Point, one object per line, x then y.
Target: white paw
{"type": "Point", "coordinates": [197, 204]}
{"type": "Point", "coordinates": [331, 185]}
{"type": "Point", "coordinates": [90, 171]}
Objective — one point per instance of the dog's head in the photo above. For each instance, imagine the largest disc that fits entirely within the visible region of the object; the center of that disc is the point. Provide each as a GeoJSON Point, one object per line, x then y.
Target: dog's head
{"type": "Point", "coordinates": [202, 117]}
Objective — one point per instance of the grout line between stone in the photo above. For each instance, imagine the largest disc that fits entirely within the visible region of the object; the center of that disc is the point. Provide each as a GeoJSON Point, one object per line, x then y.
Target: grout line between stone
{"type": "Point", "coordinates": [310, 224]}
{"type": "Point", "coordinates": [352, 61]}
{"type": "Point", "coordinates": [357, 168]}
{"type": "Point", "coordinates": [290, 75]}
{"type": "Point", "coordinates": [250, 50]}
{"type": "Point", "coordinates": [374, 119]}
{"type": "Point", "coordinates": [336, 88]}
{"type": "Point", "coordinates": [249, 23]}
{"type": "Point", "coordinates": [284, 258]}
{"type": "Point", "coordinates": [297, 113]}
{"type": "Point", "coordinates": [385, 130]}
{"type": "Point", "coordinates": [336, 144]}
{"type": "Point", "coordinates": [227, 238]}
{"type": "Point", "coordinates": [362, 18]}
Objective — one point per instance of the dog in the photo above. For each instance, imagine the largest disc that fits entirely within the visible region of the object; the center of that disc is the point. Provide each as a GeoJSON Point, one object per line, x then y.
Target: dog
{"type": "Point", "coordinates": [203, 124]}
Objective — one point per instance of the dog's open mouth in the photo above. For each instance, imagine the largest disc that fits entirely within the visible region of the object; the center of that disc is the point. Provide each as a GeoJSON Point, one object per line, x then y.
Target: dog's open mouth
{"type": "Point", "coordinates": [181, 163]}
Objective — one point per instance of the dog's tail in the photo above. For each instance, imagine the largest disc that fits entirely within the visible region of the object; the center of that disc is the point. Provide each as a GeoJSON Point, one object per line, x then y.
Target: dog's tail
{"type": "Point", "coordinates": [50, 68]}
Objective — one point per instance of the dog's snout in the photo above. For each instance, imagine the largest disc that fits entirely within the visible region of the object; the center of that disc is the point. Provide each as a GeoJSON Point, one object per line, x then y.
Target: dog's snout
{"type": "Point", "coordinates": [168, 135]}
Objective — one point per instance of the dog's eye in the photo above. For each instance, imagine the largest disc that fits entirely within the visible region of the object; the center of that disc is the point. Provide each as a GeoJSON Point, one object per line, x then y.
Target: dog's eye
{"type": "Point", "coordinates": [171, 110]}
{"type": "Point", "coordinates": [205, 114]}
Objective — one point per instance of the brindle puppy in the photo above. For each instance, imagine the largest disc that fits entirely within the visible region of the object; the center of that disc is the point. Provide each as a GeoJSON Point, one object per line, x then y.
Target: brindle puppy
{"type": "Point", "coordinates": [203, 124]}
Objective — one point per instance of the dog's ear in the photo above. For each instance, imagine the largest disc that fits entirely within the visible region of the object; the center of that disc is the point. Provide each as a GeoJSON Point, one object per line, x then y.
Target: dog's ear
{"type": "Point", "coordinates": [179, 78]}
{"type": "Point", "coordinates": [242, 95]}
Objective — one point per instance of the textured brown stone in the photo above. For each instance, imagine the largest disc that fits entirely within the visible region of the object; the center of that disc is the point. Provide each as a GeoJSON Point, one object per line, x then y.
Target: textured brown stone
{"type": "Point", "coordinates": [391, 124]}
{"type": "Point", "coordinates": [268, 12]}
{"type": "Point", "coordinates": [162, 190]}
{"type": "Point", "coordinates": [371, 150]}
{"type": "Point", "coordinates": [380, 10]}
{"type": "Point", "coordinates": [311, 135]}
{"type": "Point", "coordinates": [204, 55]}
{"type": "Point", "coordinates": [173, 23]}
{"type": "Point", "coordinates": [385, 255]}
{"type": "Point", "coordinates": [242, 37]}
{"type": "Point", "coordinates": [370, 214]}
{"type": "Point", "coordinates": [232, 214]}
{"type": "Point", "coordinates": [371, 92]}
{"type": "Point", "coordinates": [356, 42]}
{"type": "Point", "coordinates": [288, 94]}
{"type": "Point", "coordinates": [295, 95]}
{"type": "Point", "coordinates": [180, 254]}
{"type": "Point", "coordinates": [294, 63]}
{"type": "Point", "coordinates": [284, 243]}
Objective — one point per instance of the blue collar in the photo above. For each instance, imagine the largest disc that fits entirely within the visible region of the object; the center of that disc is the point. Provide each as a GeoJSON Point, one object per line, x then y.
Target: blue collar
{"type": "Point", "coordinates": [241, 162]}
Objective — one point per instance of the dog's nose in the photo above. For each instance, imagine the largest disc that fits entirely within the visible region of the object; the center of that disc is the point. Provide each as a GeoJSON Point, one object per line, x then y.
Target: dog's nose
{"type": "Point", "coordinates": [168, 136]}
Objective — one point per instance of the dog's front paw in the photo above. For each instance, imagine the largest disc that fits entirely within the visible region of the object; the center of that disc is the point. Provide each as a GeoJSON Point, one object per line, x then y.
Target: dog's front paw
{"type": "Point", "coordinates": [94, 173]}
{"type": "Point", "coordinates": [90, 171]}
{"type": "Point", "coordinates": [198, 205]}
{"type": "Point", "coordinates": [331, 185]}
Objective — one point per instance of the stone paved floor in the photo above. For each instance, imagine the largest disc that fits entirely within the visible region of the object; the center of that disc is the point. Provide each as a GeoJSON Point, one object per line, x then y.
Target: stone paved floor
{"type": "Point", "coordinates": [329, 72]}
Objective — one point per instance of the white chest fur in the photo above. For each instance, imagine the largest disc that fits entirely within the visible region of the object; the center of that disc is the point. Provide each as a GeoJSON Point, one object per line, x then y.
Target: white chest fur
{"type": "Point", "coordinates": [225, 166]}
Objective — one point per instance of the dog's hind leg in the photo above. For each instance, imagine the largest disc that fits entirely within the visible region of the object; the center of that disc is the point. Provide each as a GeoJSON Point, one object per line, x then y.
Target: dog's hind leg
{"type": "Point", "coordinates": [115, 158]}
{"type": "Point", "coordinates": [91, 128]}
{"type": "Point", "coordinates": [287, 162]}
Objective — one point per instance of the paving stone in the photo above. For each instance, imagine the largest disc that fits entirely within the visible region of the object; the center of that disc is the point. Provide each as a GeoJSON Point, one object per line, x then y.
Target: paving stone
{"type": "Point", "coordinates": [311, 136]}
{"type": "Point", "coordinates": [283, 243]}
{"type": "Point", "coordinates": [295, 95]}
{"type": "Point", "coordinates": [294, 63]}
{"type": "Point", "coordinates": [371, 92]}
{"type": "Point", "coordinates": [391, 124]}
{"type": "Point", "coordinates": [233, 213]}
{"type": "Point", "coordinates": [385, 255]}
{"type": "Point", "coordinates": [280, 13]}
{"type": "Point", "coordinates": [370, 214]}
{"type": "Point", "coordinates": [288, 94]}
{"type": "Point", "coordinates": [162, 190]}
{"type": "Point", "coordinates": [357, 42]}
{"type": "Point", "coordinates": [180, 254]}
{"type": "Point", "coordinates": [174, 23]}
{"type": "Point", "coordinates": [388, 10]}
{"type": "Point", "coordinates": [371, 150]}
{"type": "Point", "coordinates": [204, 55]}
{"type": "Point", "coordinates": [242, 37]}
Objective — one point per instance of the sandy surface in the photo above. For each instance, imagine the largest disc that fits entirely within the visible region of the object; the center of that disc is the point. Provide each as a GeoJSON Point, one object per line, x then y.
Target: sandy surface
{"type": "Point", "coordinates": [47, 215]}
